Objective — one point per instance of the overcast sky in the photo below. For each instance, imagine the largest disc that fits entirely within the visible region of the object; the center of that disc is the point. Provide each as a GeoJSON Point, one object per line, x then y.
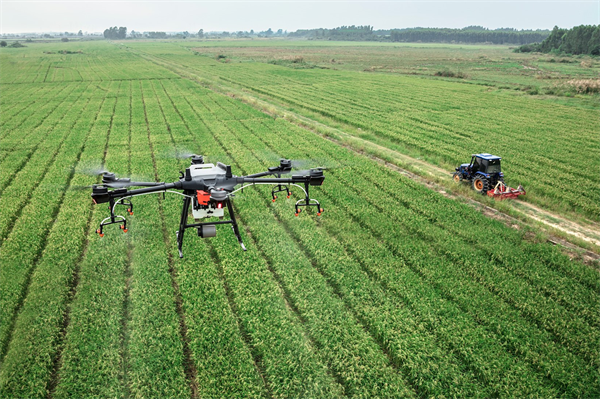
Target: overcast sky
{"type": "Point", "coordinates": [19, 16]}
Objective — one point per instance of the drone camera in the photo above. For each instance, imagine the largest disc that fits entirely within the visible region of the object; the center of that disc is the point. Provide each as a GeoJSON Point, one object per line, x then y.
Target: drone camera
{"type": "Point", "coordinates": [208, 230]}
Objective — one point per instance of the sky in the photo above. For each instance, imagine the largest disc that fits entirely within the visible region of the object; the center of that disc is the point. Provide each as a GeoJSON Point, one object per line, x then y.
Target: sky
{"type": "Point", "coordinates": [24, 16]}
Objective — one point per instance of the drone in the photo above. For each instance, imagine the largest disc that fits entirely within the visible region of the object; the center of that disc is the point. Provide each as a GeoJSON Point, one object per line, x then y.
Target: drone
{"type": "Point", "coordinates": [208, 189]}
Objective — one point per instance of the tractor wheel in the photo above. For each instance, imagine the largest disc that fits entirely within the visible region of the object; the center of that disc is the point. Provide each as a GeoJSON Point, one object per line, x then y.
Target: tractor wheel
{"type": "Point", "coordinates": [481, 185]}
{"type": "Point", "coordinates": [457, 177]}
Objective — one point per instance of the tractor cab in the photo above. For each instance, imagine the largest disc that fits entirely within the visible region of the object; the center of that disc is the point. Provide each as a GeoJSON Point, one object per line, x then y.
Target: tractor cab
{"type": "Point", "coordinates": [487, 164]}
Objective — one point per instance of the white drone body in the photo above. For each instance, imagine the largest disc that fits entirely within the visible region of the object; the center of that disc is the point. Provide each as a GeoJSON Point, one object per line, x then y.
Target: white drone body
{"type": "Point", "coordinates": [202, 206]}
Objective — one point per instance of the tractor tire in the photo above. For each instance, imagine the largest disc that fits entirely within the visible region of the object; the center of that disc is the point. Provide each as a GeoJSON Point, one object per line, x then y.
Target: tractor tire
{"type": "Point", "coordinates": [457, 177]}
{"type": "Point", "coordinates": [481, 185]}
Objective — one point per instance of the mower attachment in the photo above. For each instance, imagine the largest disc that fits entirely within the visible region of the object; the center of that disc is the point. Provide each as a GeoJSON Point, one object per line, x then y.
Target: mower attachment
{"type": "Point", "coordinates": [502, 192]}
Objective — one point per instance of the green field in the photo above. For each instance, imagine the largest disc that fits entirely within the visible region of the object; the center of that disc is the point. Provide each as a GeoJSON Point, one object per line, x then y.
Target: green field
{"type": "Point", "coordinates": [395, 291]}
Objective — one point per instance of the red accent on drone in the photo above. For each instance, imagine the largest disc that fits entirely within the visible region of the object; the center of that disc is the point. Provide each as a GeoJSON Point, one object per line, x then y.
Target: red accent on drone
{"type": "Point", "coordinates": [203, 197]}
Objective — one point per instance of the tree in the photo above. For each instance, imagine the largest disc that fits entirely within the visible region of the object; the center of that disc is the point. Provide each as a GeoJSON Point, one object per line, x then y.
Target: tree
{"type": "Point", "coordinates": [201, 33]}
{"type": "Point", "coordinates": [583, 39]}
{"type": "Point", "coordinates": [64, 39]}
{"type": "Point", "coordinates": [3, 43]}
{"type": "Point", "coordinates": [115, 33]}
{"type": "Point", "coordinates": [594, 46]}
{"type": "Point", "coordinates": [80, 33]}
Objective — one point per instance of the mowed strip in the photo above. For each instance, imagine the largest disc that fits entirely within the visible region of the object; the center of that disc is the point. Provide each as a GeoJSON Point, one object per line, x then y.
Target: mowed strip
{"type": "Point", "coordinates": [424, 119]}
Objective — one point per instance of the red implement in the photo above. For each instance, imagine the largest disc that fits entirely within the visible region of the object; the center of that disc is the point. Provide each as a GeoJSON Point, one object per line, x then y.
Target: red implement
{"type": "Point", "coordinates": [502, 192]}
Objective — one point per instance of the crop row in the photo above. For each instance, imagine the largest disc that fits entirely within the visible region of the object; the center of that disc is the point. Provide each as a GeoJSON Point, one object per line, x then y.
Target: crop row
{"type": "Point", "coordinates": [16, 196]}
{"type": "Point", "coordinates": [28, 236]}
{"type": "Point", "coordinates": [29, 364]}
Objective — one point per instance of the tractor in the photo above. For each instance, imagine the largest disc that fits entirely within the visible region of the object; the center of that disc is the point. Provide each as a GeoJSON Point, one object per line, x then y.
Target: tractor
{"type": "Point", "coordinates": [486, 177]}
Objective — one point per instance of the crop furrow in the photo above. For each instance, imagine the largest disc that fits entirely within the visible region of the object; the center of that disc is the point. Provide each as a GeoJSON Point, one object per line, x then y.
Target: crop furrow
{"type": "Point", "coordinates": [190, 367]}
{"type": "Point", "coordinates": [91, 358]}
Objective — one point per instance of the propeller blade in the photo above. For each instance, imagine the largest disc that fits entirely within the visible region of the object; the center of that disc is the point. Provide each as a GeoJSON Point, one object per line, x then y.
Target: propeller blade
{"type": "Point", "coordinates": [91, 169]}
{"type": "Point", "coordinates": [324, 164]}
{"type": "Point", "coordinates": [180, 152]}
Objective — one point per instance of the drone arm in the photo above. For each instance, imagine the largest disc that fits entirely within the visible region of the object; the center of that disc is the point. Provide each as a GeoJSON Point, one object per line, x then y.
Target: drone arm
{"type": "Point", "coordinates": [260, 174]}
{"type": "Point", "coordinates": [312, 180]}
{"type": "Point", "coordinates": [100, 194]}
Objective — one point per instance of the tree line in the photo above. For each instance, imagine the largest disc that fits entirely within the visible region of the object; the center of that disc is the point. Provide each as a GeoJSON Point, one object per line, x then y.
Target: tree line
{"type": "Point", "coordinates": [362, 32]}
{"type": "Point", "coordinates": [582, 39]}
{"type": "Point", "coordinates": [469, 34]}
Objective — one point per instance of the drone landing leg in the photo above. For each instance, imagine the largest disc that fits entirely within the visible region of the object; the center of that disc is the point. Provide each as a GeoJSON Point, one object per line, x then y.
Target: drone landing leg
{"type": "Point", "coordinates": [234, 224]}
{"type": "Point", "coordinates": [182, 224]}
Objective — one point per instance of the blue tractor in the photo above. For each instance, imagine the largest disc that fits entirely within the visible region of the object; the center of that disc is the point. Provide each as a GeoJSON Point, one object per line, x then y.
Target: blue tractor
{"type": "Point", "coordinates": [483, 172]}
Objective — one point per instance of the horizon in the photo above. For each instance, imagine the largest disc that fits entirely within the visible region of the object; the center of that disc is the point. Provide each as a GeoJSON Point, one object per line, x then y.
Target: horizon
{"type": "Point", "coordinates": [19, 17]}
{"type": "Point", "coordinates": [257, 31]}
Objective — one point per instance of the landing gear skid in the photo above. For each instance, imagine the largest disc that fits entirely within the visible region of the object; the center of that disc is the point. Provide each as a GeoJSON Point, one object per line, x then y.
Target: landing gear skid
{"type": "Point", "coordinates": [116, 219]}
{"type": "Point", "coordinates": [306, 202]}
{"type": "Point", "coordinates": [279, 188]}
{"type": "Point", "coordinates": [206, 229]}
